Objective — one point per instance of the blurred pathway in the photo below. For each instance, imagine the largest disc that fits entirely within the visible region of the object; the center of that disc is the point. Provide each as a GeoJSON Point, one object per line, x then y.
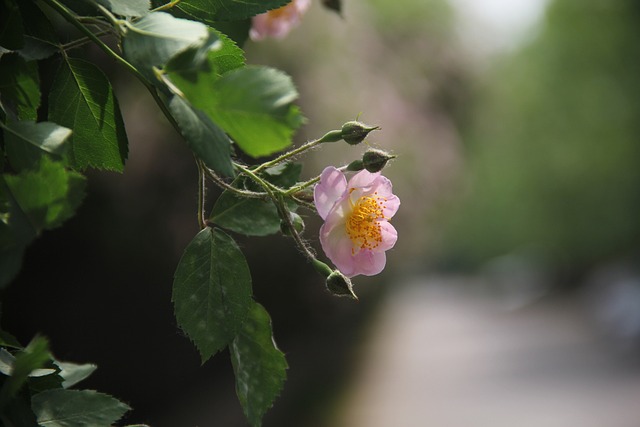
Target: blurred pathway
{"type": "Point", "coordinates": [442, 358]}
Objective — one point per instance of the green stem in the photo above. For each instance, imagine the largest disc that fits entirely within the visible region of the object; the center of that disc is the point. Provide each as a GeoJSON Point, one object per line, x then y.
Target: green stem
{"type": "Point", "coordinates": [328, 137]}
{"type": "Point", "coordinates": [269, 187]}
{"type": "Point", "coordinates": [110, 16]}
{"type": "Point", "coordinates": [82, 41]}
{"type": "Point", "coordinates": [283, 211]}
{"type": "Point", "coordinates": [166, 6]}
{"type": "Point", "coordinates": [222, 184]}
{"type": "Point", "coordinates": [309, 183]}
{"type": "Point", "coordinates": [202, 188]}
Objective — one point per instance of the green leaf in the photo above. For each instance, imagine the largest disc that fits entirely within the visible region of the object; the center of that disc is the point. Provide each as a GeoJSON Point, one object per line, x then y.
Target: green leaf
{"type": "Point", "coordinates": [30, 202]}
{"type": "Point", "coordinates": [19, 86]}
{"type": "Point", "coordinates": [158, 37]}
{"type": "Point", "coordinates": [73, 373]}
{"type": "Point", "coordinates": [252, 104]}
{"type": "Point", "coordinates": [248, 216]}
{"type": "Point", "coordinates": [26, 142]}
{"type": "Point", "coordinates": [225, 57]}
{"type": "Point", "coordinates": [238, 31]}
{"type": "Point", "coordinates": [228, 10]}
{"type": "Point", "coordinates": [45, 382]}
{"type": "Point", "coordinates": [76, 408]}
{"type": "Point", "coordinates": [11, 29]}
{"type": "Point", "coordinates": [8, 340]}
{"type": "Point", "coordinates": [252, 216]}
{"type": "Point", "coordinates": [127, 7]}
{"type": "Point", "coordinates": [260, 368]}
{"type": "Point", "coordinates": [10, 259]}
{"type": "Point", "coordinates": [206, 140]}
{"type": "Point", "coordinates": [46, 197]}
{"type": "Point", "coordinates": [284, 175]}
{"type": "Point", "coordinates": [211, 291]}
{"type": "Point", "coordinates": [40, 40]}
{"type": "Point", "coordinates": [33, 357]}
{"type": "Point", "coordinates": [82, 99]}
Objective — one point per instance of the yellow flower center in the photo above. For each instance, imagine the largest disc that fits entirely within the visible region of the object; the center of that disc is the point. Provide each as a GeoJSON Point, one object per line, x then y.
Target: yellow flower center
{"type": "Point", "coordinates": [363, 227]}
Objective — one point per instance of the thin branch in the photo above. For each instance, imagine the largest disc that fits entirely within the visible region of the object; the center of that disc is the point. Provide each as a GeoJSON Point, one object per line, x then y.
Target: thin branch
{"type": "Point", "coordinates": [202, 188]}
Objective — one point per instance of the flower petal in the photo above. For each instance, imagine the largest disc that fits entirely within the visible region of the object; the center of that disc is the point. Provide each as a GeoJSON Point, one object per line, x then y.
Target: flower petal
{"type": "Point", "coordinates": [363, 179]}
{"type": "Point", "coordinates": [329, 190]}
{"type": "Point", "coordinates": [389, 236]}
{"type": "Point", "coordinates": [390, 206]}
{"type": "Point", "coordinates": [337, 245]}
{"type": "Point", "coordinates": [279, 22]}
{"type": "Point", "coordinates": [368, 263]}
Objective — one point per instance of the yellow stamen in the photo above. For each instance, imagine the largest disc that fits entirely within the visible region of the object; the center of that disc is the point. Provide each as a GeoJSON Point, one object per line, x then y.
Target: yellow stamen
{"type": "Point", "coordinates": [363, 225]}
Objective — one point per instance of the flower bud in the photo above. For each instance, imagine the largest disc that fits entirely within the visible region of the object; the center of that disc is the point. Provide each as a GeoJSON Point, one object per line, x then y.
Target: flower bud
{"type": "Point", "coordinates": [339, 285]}
{"type": "Point", "coordinates": [374, 160]}
{"type": "Point", "coordinates": [355, 132]}
{"type": "Point", "coordinates": [296, 220]}
{"type": "Point", "coordinates": [335, 5]}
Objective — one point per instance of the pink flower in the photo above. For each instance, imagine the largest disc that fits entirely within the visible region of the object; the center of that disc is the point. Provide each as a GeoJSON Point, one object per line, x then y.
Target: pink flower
{"type": "Point", "coordinates": [278, 22]}
{"type": "Point", "coordinates": [356, 232]}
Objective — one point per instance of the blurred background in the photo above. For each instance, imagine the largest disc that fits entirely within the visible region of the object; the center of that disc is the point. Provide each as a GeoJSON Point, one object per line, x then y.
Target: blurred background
{"type": "Point", "coordinates": [513, 295]}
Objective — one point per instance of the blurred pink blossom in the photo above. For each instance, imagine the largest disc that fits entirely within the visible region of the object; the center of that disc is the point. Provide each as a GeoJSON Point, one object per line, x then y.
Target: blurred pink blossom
{"type": "Point", "coordinates": [356, 232]}
{"type": "Point", "coordinates": [278, 22]}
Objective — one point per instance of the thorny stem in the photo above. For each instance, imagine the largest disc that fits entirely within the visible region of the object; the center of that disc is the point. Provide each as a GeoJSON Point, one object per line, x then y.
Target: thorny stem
{"type": "Point", "coordinates": [283, 211]}
{"type": "Point", "coordinates": [306, 184]}
{"type": "Point", "coordinates": [286, 217]}
{"type": "Point", "coordinates": [225, 186]}
{"type": "Point", "coordinates": [295, 152]}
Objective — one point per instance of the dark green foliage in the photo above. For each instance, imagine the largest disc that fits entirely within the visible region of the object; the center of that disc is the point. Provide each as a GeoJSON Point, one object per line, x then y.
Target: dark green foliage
{"type": "Point", "coordinates": [76, 408]}
{"type": "Point", "coordinates": [19, 87]}
{"type": "Point", "coordinates": [259, 366]}
{"type": "Point", "coordinates": [228, 10]}
{"type": "Point", "coordinates": [82, 99]}
{"type": "Point", "coordinates": [211, 291]}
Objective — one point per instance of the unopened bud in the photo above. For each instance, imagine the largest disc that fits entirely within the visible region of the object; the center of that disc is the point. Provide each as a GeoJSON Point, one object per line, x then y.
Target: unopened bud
{"type": "Point", "coordinates": [375, 160]}
{"type": "Point", "coordinates": [296, 221]}
{"type": "Point", "coordinates": [340, 285]}
{"type": "Point", "coordinates": [355, 132]}
{"type": "Point", "coordinates": [335, 5]}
